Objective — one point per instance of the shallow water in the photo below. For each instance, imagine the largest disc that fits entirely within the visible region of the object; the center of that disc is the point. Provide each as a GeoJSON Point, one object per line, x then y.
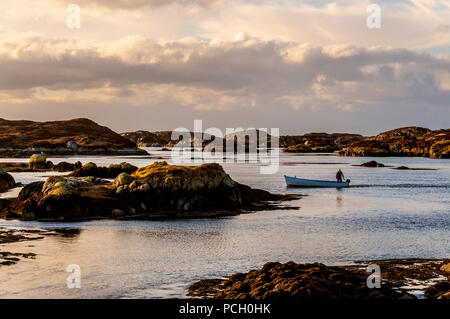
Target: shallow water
{"type": "Point", "coordinates": [385, 214]}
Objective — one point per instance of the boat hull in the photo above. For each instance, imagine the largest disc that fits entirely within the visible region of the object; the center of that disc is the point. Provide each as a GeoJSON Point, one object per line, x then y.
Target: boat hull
{"type": "Point", "coordinates": [301, 182]}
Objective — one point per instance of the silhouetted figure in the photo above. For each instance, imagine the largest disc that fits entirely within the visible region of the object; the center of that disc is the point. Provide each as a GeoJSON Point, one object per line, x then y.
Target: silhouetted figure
{"type": "Point", "coordinates": [339, 176]}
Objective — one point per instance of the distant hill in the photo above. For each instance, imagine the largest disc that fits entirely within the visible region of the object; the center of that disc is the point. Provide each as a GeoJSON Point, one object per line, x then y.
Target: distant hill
{"type": "Point", "coordinates": [311, 142]}
{"type": "Point", "coordinates": [81, 136]}
{"type": "Point", "coordinates": [405, 141]}
{"type": "Point", "coordinates": [158, 138]}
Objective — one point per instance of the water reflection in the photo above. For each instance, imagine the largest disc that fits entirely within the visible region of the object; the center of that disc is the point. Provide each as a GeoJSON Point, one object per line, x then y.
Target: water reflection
{"type": "Point", "coordinates": [338, 202]}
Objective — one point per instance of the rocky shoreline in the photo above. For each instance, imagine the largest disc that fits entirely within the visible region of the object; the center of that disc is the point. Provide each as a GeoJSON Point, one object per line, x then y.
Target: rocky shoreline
{"type": "Point", "coordinates": [400, 278]}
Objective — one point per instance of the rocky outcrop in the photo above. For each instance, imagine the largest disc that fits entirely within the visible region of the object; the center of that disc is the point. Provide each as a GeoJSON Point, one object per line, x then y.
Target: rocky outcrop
{"type": "Point", "coordinates": [78, 136]}
{"type": "Point", "coordinates": [318, 142]}
{"type": "Point", "coordinates": [6, 181]}
{"type": "Point", "coordinates": [317, 281]}
{"type": "Point", "coordinates": [159, 190]}
{"type": "Point", "coordinates": [406, 141]}
{"type": "Point", "coordinates": [91, 169]}
{"type": "Point", "coordinates": [144, 139]}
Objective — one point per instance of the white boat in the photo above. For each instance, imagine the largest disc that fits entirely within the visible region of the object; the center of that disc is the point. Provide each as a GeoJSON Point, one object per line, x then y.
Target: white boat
{"type": "Point", "coordinates": [301, 182]}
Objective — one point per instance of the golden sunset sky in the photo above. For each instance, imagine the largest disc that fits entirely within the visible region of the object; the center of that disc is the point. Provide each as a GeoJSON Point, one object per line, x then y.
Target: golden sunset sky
{"type": "Point", "coordinates": [300, 66]}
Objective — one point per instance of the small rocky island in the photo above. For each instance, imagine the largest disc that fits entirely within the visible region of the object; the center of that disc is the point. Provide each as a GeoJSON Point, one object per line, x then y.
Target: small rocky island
{"type": "Point", "coordinates": [77, 136]}
{"type": "Point", "coordinates": [156, 191]}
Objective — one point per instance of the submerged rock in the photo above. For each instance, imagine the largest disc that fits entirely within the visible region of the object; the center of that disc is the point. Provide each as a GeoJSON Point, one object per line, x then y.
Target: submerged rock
{"type": "Point", "coordinates": [372, 164]}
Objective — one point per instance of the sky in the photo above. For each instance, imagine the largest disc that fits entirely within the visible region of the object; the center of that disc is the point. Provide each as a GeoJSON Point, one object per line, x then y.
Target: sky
{"type": "Point", "coordinates": [300, 66]}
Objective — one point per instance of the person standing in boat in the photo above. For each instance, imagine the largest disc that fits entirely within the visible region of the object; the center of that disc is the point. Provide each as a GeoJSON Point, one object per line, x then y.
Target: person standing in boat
{"type": "Point", "coordinates": [339, 176]}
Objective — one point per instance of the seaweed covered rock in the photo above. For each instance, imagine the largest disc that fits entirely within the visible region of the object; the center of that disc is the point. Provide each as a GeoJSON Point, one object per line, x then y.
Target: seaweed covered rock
{"type": "Point", "coordinates": [159, 190]}
{"type": "Point", "coordinates": [39, 161]}
{"type": "Point", "coordinates": [123, 179]}
{"type": "Point", "coordinates": [91, 169]}
{"type": "Point", "coordinates": [161, 175]}
{"type": "Point", "coordinates": [181, 187]}
{"type": "Point", "coordinates": [57, 198]}
{"type": "Point", "coordinates": [6, 181]}
{"type": "Point", "coordinates": [293, 281]}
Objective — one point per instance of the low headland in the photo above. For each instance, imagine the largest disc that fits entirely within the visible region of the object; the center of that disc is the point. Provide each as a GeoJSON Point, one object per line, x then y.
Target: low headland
{"type": "Point", "coordinates": [71, 137]}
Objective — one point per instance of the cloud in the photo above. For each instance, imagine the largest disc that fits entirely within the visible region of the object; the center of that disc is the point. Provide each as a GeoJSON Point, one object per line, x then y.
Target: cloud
{"type": "Point", "coordinates": [443, 28]}
{"type": "Point", "coordinates": [219, 74]}
{"type": "Point", "coordinates": [138, 4]}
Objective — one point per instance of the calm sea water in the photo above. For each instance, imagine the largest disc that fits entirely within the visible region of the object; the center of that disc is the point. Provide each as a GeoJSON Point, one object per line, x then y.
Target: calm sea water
{"type": "Point", "coordinates": [385, 214]}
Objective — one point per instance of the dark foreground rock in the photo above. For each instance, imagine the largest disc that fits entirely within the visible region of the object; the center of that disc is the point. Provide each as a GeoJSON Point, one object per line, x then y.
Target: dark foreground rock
{"type": "Point", "coordinates": [155, 191]}
{"type": "Point", "coordinates": [317, 281]}
{"type": "Point", "coordinates": [77, 136]}
{"type": "Point", "coordinates": [405, 141]}
{"type": "Point", "coordinates": [6, 181]}
{"type": "Point", "coordinates": [441, 290]}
